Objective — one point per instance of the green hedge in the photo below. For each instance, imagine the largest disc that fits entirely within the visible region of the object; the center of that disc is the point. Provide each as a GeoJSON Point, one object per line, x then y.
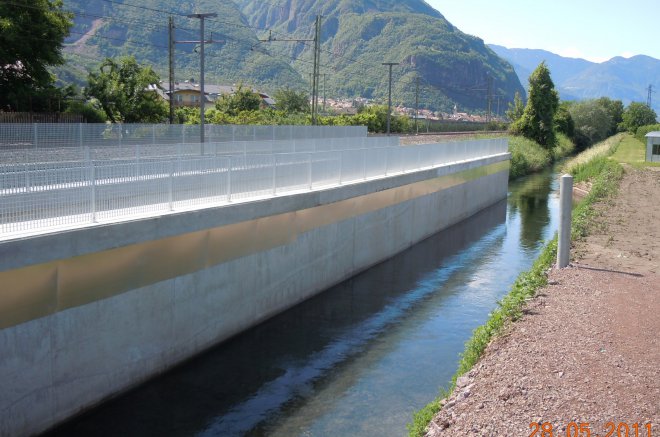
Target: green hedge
{"type": "Point", "coordinates": [641, 132]}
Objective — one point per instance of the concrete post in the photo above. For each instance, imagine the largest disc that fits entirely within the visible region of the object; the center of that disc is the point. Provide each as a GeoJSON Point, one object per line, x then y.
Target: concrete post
{"type": "Point", "coordinates": [565, 210]}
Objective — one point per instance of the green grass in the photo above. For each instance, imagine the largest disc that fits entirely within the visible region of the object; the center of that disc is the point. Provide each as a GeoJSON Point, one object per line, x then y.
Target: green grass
{"type": "Point", "coordinates": [604, 148]}
{"type": "Point", "coordinates": [632, 151]}
{"type": "Point", "coordinates": [605, 175]}
{"type": "Point", "coordinates": [527, 157]}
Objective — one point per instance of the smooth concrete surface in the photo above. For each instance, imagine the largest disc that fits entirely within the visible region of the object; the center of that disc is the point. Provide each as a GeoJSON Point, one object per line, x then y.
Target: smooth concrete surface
{"type": "Point", "coordinates": [56, 366]}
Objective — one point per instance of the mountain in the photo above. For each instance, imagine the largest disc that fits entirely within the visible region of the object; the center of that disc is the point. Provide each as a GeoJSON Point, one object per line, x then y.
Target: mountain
{"type": "Point", "coordinates": [526, 60]}
{"type": "Point", "coordinates": [625, 79]}
{"type": "Point", "coordinates": [357, 37]}
{"type": "Point", "coordinates": [114, 28]}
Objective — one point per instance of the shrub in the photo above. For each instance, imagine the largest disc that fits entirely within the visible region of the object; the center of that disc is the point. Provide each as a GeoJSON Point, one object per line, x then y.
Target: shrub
{"type": "Point", "coordinates": [643, 130]}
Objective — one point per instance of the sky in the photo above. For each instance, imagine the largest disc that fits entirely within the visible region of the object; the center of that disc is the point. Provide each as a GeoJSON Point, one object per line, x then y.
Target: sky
{"type": "Point", "coordinates": [596, 30]}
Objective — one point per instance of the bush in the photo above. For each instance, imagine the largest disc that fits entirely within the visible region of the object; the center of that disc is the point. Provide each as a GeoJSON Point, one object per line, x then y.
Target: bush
{"type": "Point", "coordinates": [643, 130]}
{"type": "Point", "coordinates": [527, 157]}
{"type": "Point", "coordinates": [563, 147]}
{"type": "Point", "coordinates": [592, 122]}
{"type": "Point", "coordinates": [88, 110]}
{"type": "Point", "coordinates": [637, 115]}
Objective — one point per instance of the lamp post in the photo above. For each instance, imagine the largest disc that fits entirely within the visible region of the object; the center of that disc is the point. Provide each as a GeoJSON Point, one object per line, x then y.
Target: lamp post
{"type": "Point", "coordinates": [389, 96]}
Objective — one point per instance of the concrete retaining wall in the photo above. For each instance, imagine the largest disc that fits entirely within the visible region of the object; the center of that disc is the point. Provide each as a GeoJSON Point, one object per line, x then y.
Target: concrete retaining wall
{"type": "Point", "coordinates": [86, 314]}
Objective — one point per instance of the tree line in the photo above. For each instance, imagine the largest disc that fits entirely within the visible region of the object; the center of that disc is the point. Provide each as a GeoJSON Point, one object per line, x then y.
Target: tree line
{"type": "Point", "coordinates": [585, 122]}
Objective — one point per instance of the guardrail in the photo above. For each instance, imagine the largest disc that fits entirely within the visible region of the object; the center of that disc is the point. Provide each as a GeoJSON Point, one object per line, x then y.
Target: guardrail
{"type": "Point", "coordinates": [40, 197]}
{"type": "Point", "coordinates": [29, 155]}
{"type": "Point", "coordinates": [49, 135]}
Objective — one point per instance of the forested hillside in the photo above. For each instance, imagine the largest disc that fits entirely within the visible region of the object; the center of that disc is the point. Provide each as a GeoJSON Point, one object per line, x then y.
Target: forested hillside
{"type": "Point", "coordinates": [357, 36]}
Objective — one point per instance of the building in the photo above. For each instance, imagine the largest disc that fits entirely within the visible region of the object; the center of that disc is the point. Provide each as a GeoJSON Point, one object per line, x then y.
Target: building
{"type": "Point", "coordinates": [653, 146]}
{"type": "Point", "coordinates": [188, 93]}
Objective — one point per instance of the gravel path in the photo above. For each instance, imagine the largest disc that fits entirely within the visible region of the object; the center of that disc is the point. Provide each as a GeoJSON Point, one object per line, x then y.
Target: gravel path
{"type": "Point", "coordinates": [587, 348]}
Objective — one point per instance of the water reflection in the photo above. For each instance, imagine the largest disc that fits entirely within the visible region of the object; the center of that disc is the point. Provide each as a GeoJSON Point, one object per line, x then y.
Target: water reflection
{"type": "Point", "coordinates": [529, 198]}
{"type": "Point", "coordinates": [359, 358]}
{"type": "Point", "coordinates": [242, 385]}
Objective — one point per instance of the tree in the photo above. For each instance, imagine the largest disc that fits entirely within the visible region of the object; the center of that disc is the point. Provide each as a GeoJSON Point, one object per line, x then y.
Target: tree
{"type": "Point", "coordinates": [243, 99]}
{"type": "Point", "coordinates": [592, 122]}
{"type": "Point", "coordinates": [636, 115]}
{"type": "Point", "coordinates": [122, 89]}
{"type": "Point", "coordinates": [31, 38]}
{"type": "Point", "coordinates": [615, 109]}
{"type": "Point", "coordinates": [292, 101]}
{"type": "Point", "coordinates": [516, 109]}
{"type": "Point", "coordinates": [537, 121]}
{"type": "Point", "coordinates": [564, 122]}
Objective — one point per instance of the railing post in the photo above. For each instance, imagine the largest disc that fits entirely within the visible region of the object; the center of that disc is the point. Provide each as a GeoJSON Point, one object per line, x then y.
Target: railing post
{"type": "Point", "coordinates": [229, 167]}
{"type": "Point", "coordinates": [137, 159]}
{"type": "Point", "coordinates": [170, 188]}
{"type": "Point", "coordinates": [274, 175]}
{"type": "Point", "coordinates": [93, 194]}
{"type": "Point", "coordinates": [364, 164]}
{"type": "Point", "coordinates": [80, 141]}
{"type": "Point", "coordinates": [309, 170]}
{"type": "Point", "coordinates": [35, 139]}
{"type": "Point", "coordinates": [28, 185]}
{"type": "Point", "coordinates": [565, 210]}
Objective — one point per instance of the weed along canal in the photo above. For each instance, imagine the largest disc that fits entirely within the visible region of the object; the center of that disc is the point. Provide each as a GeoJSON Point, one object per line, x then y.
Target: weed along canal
{"type": "Point", "coordinates": [358, 359]}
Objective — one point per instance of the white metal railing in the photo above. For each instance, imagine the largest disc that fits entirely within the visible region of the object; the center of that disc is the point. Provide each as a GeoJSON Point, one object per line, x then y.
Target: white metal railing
{"type": "Point", "coordinates": [91, 151]}
{"type": "Point", "coordinates": [38, 197]}
{"type": "Point", "coordinates": [54, 135]}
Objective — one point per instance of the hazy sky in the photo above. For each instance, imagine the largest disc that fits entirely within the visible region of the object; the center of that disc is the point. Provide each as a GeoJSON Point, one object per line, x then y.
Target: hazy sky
{"type": "Point", "coordinates": [596, 30]}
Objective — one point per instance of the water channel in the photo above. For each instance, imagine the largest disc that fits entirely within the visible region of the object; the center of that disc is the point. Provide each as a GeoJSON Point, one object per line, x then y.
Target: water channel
{"type": "Point", "coordinates": [358, 359]}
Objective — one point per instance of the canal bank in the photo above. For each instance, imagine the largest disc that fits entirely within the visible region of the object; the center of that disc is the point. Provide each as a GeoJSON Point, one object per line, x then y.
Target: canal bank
{"type": "Point", "coordinates": [359, 358]}
{"type": "Point", "coordinates": [584, 353]}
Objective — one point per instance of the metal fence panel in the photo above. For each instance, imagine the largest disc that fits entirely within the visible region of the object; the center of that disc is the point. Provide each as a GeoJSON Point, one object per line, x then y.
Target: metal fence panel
{"type": "Point", "coordinates": [117, 183]}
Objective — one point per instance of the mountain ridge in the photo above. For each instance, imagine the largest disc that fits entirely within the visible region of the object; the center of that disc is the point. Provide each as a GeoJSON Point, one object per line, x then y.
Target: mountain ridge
{"type": "Point", "coordinates": [357, 36]}
{"type": "Point", "coordinates": [620, 78]}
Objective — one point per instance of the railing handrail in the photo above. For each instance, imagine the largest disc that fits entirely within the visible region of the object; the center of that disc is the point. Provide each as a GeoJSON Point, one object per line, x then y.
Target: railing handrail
{"type": "Point", "coordinates": [40, 197]}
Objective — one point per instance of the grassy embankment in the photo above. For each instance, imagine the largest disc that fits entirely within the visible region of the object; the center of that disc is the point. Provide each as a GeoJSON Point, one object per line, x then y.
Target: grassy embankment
{"type": "Point", "coordinates": [528, 156]}
{"type": "Point", "coordinates": [605, 175]}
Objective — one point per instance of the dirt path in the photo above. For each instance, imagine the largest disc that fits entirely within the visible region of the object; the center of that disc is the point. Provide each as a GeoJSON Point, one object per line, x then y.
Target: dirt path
{"type": "Point", "coordinates": [587, 349]}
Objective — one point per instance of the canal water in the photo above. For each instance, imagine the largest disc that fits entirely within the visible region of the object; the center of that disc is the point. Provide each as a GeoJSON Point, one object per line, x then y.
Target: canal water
{"type": "Point", "coordinates": [358, 359]}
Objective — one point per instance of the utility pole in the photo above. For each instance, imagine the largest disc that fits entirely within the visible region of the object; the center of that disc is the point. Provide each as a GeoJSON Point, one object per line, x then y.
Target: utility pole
{"type": "Point", "coordinates": [324, 92]}
{"type": "Point", "coordinates": [171, 53]}
{"type": "Point", "coordinates": [417, 106]}
{"type": "Point", "coordinates": [649, 99]}
{"type": "Point", "coordinates": [201, 41]}
{"type": "Point", "coordinates": [389, 96]}
{"type": "Point", "coordinates": [315, 78]}
{"type": "Point", "coordinates": [317, 60]}
{"type": "Point", "coordinates": [489, 80]}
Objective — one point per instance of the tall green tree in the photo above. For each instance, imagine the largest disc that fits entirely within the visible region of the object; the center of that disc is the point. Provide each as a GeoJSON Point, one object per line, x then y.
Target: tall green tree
{"type": "Point", "coordinates": [636, 115]}
{"type": "Point", "coordinates": [537, 121]}
{"type": "Point", "coordinates": [122, 89]}
{"type": "Point", "coordinates": [291, 101]}
{"type": "Point", "coordinates": [615, 109]}
{"type": "Point", "coordinates": [243, 99]}
{"type": "Point", "coordinates": [31, 40]}
{"type": "Point", "coordinates": [516, 109]}
{"type": "Point", "coordinates": [564, 122]}
{"type": "Point", "coordinates": [592, 122]}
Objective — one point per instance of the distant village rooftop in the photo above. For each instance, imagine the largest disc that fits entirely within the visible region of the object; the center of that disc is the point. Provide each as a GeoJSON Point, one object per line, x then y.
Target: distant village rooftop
{"type": "Point", "coordinates": [188, 93]}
